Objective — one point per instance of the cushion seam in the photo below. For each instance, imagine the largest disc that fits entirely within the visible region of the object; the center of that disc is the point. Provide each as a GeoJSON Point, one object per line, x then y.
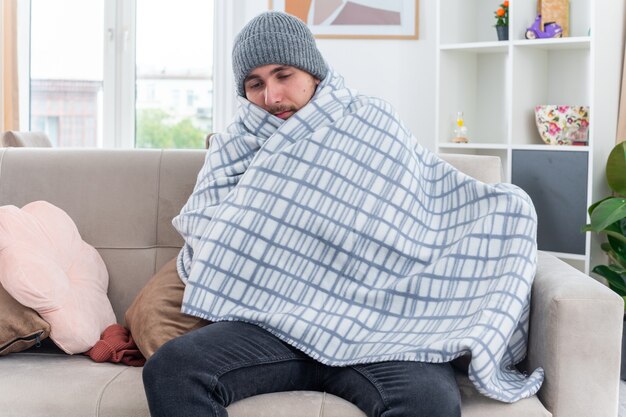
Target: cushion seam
{"type": "Point", "coordinates": [17, 338]}
{"type": "Point", "coordinates": [26, 354]}
{"type": "Point", "coordinates": [99, 401]}
{"type": "Point", "coordinates": [158, 204]}
{"type": "Point", "coordinates": [558, 349]}
{"type": "Point", "coordinates": [139, 247]}
{"type": "Point", "coordinates": [322, 405]}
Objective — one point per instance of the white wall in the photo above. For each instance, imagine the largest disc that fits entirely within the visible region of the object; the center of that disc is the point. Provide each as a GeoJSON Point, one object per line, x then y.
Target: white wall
{"type": "Point", "coordinates": [399, 71]}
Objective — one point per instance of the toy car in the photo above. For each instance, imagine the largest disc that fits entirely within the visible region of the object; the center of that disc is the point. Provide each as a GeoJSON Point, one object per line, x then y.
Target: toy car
{"type": "Point", "coordinates": [550, 30]}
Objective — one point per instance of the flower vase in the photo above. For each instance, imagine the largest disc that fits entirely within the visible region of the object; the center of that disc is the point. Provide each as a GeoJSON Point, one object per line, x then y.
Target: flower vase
{"type": "Point", "coordinates": [503, 33]}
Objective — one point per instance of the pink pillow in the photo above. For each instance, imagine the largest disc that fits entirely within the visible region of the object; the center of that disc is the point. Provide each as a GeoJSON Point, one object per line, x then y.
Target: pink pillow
{"type": "Point", "coordinates": [45, 265]}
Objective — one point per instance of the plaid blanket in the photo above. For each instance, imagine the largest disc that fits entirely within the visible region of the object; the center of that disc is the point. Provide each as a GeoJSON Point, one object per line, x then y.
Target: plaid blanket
{"type": "Point", "coordinates": [337, 232]}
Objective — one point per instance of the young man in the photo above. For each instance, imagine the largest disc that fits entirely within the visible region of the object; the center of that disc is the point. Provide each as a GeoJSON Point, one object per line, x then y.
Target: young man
{"type": "Point", "coordinates": [305, 242]}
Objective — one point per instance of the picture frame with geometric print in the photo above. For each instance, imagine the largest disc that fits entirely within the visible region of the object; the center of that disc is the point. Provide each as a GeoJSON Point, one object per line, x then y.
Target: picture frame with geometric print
{"type": "Point", "coordinates": [355, 19]}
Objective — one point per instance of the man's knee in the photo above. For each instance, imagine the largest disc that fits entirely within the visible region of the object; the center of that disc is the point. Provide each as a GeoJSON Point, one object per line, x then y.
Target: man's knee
{"type": "Point", "coordinates": [170, 361]}
{"type": "Point", "coordinates": [430, 390]}
{"type": "Point", "coordinates": [159, 363]}
{"type": "Point", "coordinates": [202, 354]}
{"type": "Point", "coordinates": [445, 404]}
{"type": "Point", "coordinates": [441, 396]}
{"type": "Point", "coordinates": [432, 401]}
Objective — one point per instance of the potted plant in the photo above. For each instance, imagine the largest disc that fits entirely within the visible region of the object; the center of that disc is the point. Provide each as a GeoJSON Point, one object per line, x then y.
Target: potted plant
{"type": "Point", "coordinates": [608, 216]}
{"type": "Point", "coordinates": [502, 21]}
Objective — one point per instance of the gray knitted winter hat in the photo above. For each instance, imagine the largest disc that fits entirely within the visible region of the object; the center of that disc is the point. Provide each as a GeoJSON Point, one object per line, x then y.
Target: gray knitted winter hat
{"type": "Point", "coordinates": [275, 38]}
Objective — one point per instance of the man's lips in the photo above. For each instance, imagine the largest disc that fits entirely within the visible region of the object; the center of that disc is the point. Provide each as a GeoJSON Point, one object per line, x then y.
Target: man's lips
{"type": "Point", "coordinates": [283, 115]}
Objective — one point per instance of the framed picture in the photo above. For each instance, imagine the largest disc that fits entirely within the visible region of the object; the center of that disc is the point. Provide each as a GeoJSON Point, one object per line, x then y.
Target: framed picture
{"type": "Point", "coordinates": [356, 19]}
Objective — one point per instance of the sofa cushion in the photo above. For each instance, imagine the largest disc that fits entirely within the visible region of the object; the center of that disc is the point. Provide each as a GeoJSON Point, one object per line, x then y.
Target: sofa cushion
{"type": "Point", "coordinates": [110, 390]}
{"type": "Point", "coordinates": [45, 265]}
{"type": "Point", "coordinates": [20, 327]}
{"type": "Point", "coordinates": [60, 385]}
{"type": "Point", "coordinates": [154, 317]}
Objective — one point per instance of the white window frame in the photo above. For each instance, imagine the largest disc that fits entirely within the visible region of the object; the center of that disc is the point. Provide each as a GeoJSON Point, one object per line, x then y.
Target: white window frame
{"type": "Point", "coordinates": [119, 75]}
{"type": "Point", "coordinates": [226, 25]}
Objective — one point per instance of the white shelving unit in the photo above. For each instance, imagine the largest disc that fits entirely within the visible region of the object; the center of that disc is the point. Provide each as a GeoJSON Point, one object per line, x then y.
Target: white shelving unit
{"type": "Point", "coordinates": [497, 84]}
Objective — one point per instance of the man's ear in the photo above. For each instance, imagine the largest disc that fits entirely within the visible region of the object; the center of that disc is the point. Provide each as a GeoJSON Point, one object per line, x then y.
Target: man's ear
{"type": "Point", "coordinates": [317, 82]}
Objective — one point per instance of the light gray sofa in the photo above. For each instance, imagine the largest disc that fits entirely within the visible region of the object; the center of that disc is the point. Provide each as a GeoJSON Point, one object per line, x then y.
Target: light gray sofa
{"type": "Point", "coordinates": [123, 201]}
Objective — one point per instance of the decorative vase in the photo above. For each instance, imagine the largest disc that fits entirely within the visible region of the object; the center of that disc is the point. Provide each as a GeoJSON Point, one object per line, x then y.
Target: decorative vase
{"type": "Point", "coordinates": [562, 124]}
{"type": "Point", "coordinates": [503, 33]}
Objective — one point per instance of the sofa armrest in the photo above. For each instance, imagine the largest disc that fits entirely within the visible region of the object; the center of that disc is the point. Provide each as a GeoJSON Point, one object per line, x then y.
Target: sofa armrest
{"type": "Point", "coordinates": [575, 335]}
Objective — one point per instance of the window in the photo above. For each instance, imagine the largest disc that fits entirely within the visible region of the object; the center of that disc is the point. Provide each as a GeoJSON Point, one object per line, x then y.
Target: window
{"type": "Point", "coordinates": [66, 71]}
{"type": "Point", "coordinates": [174, 65]}
{"type": "Point", "coordinates": [122, 73]}
{"type": "Point", "coordinates": [49, 124]}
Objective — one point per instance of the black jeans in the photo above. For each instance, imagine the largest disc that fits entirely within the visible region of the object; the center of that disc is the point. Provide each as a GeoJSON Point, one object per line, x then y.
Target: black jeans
{"type": "Point", "coordinates": [201, 373]}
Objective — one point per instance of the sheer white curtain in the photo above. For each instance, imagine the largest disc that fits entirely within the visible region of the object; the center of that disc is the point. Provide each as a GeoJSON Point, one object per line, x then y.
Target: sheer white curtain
{"type": "Point", "coordinates": [9, 90]}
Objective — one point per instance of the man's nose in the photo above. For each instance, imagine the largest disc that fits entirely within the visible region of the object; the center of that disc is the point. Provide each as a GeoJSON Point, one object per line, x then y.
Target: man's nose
{"type": "Point", "coordinates": [273, 94]}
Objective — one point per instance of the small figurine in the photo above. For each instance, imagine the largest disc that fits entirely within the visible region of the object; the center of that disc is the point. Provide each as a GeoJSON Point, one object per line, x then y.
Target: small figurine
{"type": "Point", "coordinates": [550, 30]}
{"type": "Point", "coordinates": [460, 132]}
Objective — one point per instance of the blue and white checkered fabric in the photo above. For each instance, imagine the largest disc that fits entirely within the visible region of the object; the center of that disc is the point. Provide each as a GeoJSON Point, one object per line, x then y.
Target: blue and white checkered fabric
{"type": "Point", "coordinates": [337, 232]}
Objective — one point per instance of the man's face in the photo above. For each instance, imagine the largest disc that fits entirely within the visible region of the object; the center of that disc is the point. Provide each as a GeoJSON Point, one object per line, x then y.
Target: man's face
{"type": "Point", "coordinates": [280, 89]}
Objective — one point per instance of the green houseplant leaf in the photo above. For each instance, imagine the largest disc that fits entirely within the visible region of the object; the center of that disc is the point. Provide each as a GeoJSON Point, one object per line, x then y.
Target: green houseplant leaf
{"type": "Point", "coordinates": [596, 204]}
{"type": "Point", "coordinates": [617, 243]}
{"type": "Point", "coordinates": [608, 216]}
{"type": "Point", "coordinates": [615, 280]}
{"type": "Point", "coordinates": [616, 169]}
{"type": "Point", "coordinates": [587, 227]}
{"type": "Point", "coordinates": [608, 212]}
